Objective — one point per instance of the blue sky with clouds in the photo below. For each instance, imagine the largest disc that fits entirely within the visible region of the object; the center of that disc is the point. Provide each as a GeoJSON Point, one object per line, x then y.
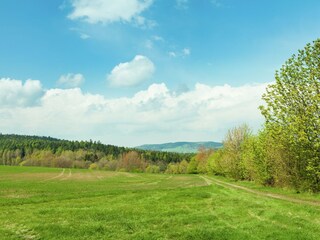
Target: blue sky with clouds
{"type": "Point", "coordinates": [143, 71]}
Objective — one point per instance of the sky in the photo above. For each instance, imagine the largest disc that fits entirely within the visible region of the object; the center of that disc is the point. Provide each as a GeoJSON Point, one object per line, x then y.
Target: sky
{"type": "Point", "coordinates": [131, 72]}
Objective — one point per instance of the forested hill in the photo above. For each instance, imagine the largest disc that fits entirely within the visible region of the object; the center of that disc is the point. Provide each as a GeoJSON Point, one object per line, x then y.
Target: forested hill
{"type": "Point", "coordinates": [30, 143]}
{"type": "Point", "coordinates": [180, 147]}
{"type": "Point", "coordinates": [52, 152]}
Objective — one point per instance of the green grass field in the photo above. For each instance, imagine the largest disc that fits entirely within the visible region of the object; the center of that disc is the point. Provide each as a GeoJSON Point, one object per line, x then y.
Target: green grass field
{"type": "Point", "coordinates": [46, 203]}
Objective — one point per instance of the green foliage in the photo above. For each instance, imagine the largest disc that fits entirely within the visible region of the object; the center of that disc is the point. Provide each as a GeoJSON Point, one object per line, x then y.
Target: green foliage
{"type": "Point", "coordinates": [172, 168]}
{"type": "Point", "coordinates": [51, 152]}
{"type": "Point", "coordinates": [93, 166]}
{"type": "Point", "coordinates": [286, 152]}
{"type": "Point", "coordinates": [193, 165]}
{"type": "Point", "coordinates": [219, 163]}
{"type": "Point", "coordinates": [152, 169]}
{"type": "Point", "coordinates": [183, 167]}
{"type": "Point", "coordinates": [178, 168]}
{"type": "Point", "coordinates": [292, 114]}
{"type": "Point", "coordinates": [258, 160]}
{"type": "Point", "coordinates": [233, 151]}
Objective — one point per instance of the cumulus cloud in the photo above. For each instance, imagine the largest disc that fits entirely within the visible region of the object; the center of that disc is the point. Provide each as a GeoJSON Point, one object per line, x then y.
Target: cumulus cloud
{"type": "Point", "coordinates": [109, 11]}
{"type": "Point", "coordinates": [155, 114]}
{"type": "Point", "coordinates": [15, 93]}
{"type": "Point", "coordinates": [131, 73]}
{"type": "Point", "coordinates": [71, 80]}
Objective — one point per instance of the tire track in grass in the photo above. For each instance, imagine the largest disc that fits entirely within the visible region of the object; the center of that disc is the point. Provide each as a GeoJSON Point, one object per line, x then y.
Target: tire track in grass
{"type": "Point", "coordinates": [100, 177]}
{"type": "Point", "coordinates": [209, 181]}
{"type": "Point", "coordinates": [67, 177]}
{"type": "Point", "coordinates": [96, 175]}
{"type": "Point", "coordinates": [55, 177]}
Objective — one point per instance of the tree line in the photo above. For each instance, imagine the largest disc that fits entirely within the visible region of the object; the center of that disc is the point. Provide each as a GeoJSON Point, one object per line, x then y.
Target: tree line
{"type": "Point", "coordinates": [51, 152]}
{"type": "Point", "coordinates": [286, 151]}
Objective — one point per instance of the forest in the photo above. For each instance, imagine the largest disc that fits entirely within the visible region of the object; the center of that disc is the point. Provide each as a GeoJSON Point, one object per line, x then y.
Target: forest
{"type": "Point", "coordinates": [51, 152]}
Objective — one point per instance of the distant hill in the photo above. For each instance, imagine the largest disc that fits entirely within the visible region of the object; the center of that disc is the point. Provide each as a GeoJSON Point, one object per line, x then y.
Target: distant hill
{"type": "Point", "coordinates": [180, 147]}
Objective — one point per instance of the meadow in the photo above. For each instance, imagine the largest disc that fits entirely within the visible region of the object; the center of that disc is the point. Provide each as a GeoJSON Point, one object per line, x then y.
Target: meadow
{"type": "Point", "coordinates": [52, 203]}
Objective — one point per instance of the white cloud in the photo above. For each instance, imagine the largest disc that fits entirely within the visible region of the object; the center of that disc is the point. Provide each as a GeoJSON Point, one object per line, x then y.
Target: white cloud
{"type": "Point", "coordinates": [150, 43]}
{"type": "Point", "coordinates": [186, 51]}
{"type": "Point", "coordinates": [157, 38]}
{"type": "Point", "coordinates": [84, 36]}
{"type": "Point", "coordinates": [183, 53]}
{"type": "Point", "coordinates": [156, 114]}
{"type": "Point", "coordinates": [71, 80]}
{"type": "Point", "coordinates": [81, 33]}
{"type": "Point", "coordinates": [13, 93]}
{"type": "Point", "coordinates": [172, 54]}
{"type": "Point", "coordinates": [131, 73]}
{"type": "Point", "coordinates": [108, 11]}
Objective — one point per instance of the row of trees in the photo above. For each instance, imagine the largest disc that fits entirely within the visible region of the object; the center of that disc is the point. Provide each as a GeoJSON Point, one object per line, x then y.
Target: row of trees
{"type": "Point", "coordinates": [286, 152]}
{"type": "Point", "coordinates": [51, 152]}
{"type": "Point", "coordinates": [264, 159]}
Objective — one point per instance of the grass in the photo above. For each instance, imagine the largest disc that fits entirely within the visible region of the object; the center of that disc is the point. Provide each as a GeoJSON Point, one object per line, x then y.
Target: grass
{"type": "Point", "coordinates": [46, 203]}
{"type": "Point", "coordinates": [268, 189]}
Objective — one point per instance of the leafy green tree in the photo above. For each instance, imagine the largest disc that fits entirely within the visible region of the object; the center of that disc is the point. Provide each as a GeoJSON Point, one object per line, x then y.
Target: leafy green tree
{"type": "Point", "coordinates": [152, 169]}
{"type": "Point", "coordinates": [292, 113]}
{"type": "Point", "coordinates": [217, 163]}
{"type": "Point", "coordinates": [262, 160]}
{"type": "Point", "coordinates": [183, 167]}
{"type": "Point", "coordinates": [233, 149]}
{"type": "Point", "coordinates": [93, 166]}
{"type": "Point", "coordinates": [192, 166]}
{"type": "Point", "coordinates": [172, 168]}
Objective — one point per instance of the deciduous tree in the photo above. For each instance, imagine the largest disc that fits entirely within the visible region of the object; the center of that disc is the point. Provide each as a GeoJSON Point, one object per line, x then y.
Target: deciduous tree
{"type": "Point", "coordinates": [292, 113]}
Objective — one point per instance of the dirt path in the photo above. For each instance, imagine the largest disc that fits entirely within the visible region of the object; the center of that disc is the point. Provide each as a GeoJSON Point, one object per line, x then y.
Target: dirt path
{"type": "Point", "coordinates": [60, 175]}
{"type": "Point", "coordinates": [209, 181]}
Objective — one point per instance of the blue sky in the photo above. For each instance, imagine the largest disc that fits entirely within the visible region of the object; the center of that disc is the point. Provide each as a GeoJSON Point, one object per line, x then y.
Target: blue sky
{"type": "Point", "coordinates": [171, 53]}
